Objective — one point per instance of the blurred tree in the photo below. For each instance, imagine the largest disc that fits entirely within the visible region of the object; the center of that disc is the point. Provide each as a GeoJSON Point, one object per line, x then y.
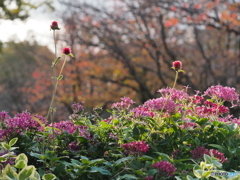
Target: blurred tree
{"type": "Point", "coordinates": [19, 9]}
{"type": "Point", "coordinates": [19, 64]}
{"type": "Point", "coordinates": [129, 46]}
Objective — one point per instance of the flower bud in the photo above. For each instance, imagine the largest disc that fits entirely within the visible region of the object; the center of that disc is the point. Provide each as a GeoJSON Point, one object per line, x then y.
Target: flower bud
{"type": "Point", "coordinates": [66, 51]}
{"type": "Point", "coordinates": [54, 25]}
{"type": "Point", "coordinates": [177, 65]}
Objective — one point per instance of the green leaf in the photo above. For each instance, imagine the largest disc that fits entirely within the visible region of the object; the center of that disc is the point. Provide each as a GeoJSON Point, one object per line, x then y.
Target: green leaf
{"type": "Point", "coordinates": [6, 146]}
{"type": "Point", "coordinates": [26, 172]}
{"type": "Point", "coordinates": [198, 173]}
{"type": "Point", "coordinates": [100, 170]}
{"type": "Point", "coordinates": [49, 177]}
{"type": "Point", "coordinates": [129, 177]}
{"type": "Point", "coordinates": [151, 172]}
{"type": "Point", "coordinates": [164, 156]}
{"type": "Point", "coordinates": [217, 146]}
{"type": "Point", "coordinates": [60, 77]}
{"type": "Point", "coordinates": [71, 55]}
{"type": "Point", "coordinates": [197, 141]}
{"type": "Point", "coordinates": [21, 164]}
{"type": "Point", "coordinates": [10, 173]}
{"type": "Point", "coordinates": [97, 161]}
{"type": "Point", "coordinates": [145, 158]}
{"type": "Point", "coordinates": [21, 157]}
{"type": "Point", "coordinates": [13, 141]}
{"type": "Point", "coordinates": [123, 160]}
{"type": "Point", "coordinates": [55, 62]}
{"type": "Point", "coordinates": [191, 178]}
{"type": "Point", "coordinates": [36, 175]}
{"type": "Point", "coordinates": [207, 159]}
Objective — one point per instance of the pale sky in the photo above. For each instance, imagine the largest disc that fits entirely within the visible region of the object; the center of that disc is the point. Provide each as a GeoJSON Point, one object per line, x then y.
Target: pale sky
{"type": "Point", "coordinates": [38, 24]}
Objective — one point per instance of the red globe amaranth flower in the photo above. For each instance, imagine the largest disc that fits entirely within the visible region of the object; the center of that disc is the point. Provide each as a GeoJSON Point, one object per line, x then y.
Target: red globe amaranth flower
{"type": "Point", "coordinates": [66, 51]}
{"type": "Point", "coordinates": [54, 25]}
{"type": "Point", "coordinates": [177, 65]}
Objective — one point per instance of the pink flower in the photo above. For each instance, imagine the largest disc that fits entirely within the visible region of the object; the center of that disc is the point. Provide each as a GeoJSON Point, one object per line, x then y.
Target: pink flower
{"type": "Point", "coordinates": [124, 104]}
{"type": "Point", "coordinates": [198, 152]}
{"type": "Point", "coordinates": [148, 178]}
{"type": "Point", "coordinates": [177, 65]}
{"type": "Point", "coordinates": [220, 156]}
{"type": "Point", "coordinates": [54, 25]}
{"type": "Point", "coordinates": [188, 125]}
{"type": "Point", "coordinates": [66, 51]}
{"type": "Point", "coordinates": [73, 146]}
{"type": "Point", "coordinates": [142, 111]}
{"type": "Point", "coordinates": [223, 93]}
{"type": "Point", "coordinates": [164, 168]}
{"type": "Point", "coordinates": [160, 103]}
{"type": "Point", "coordinates": [135, 148]}
{"type": "Point", "coordinates": [77, 107]}
{"type": "Point", "coordinates": [176, 95]}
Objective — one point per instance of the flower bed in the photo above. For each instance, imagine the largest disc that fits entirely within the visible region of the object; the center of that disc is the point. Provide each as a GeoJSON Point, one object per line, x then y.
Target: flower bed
{"type": "Point", "coordinates": [175, 136]}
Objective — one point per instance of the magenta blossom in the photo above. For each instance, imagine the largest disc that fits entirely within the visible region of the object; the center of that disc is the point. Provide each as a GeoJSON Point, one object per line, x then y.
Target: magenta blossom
{"type": "Point", "coordinates": [54, 25]}
{"type": "Point", "coordinates": [142, 111]}
{"type": "Point", "coordinates": [66, 51]}
{"type": "Point", "coordinates": [160, 104]}
{"type": "Point", "coordinates": [164, 168]}
{"type": "Point", "coordinates": [78, 107]}
{"type": "Point", "coordinates": [199, 152]}
{"type": "Point", "coordinates": [177, 65]}
{"type": "Point", "coordinates": [73, 146]}
{"type": "Point", "coordinates": [176, 95]}
{"type": "Point", "coordinates": [135, 148]}
{"type": "Point", "coordinates": [223, 93]}
{"type": "Point", "coordinates": [124, 104]}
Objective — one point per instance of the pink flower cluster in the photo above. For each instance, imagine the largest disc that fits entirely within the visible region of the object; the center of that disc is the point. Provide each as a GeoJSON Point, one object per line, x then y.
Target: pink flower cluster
{"type": "Point", "coordinates": [188, 125]}
{"type": "Point", "coordinates": [142, 111]}
{"type": "Point", "coordinates": [3, 115]}
{"type": "Point", "coordinates": [229, 120]}
{"type": "Point", "coordinates": [135, 148]}
{"type": "Point", "coordinates": [165, 168]}
{"type": "Point", "coordinates": [176, 95]}
{"type": "Point", "coordinates": [223, 93]}
{"type": "Point", "coordinates": [211, 108]}
{"type": "Point", "coordinates": [198, 153]}
{"type": "Point", "coordinates": [20, 123]}
{"type": "Point", "coordinates": [124, 104]}
{"type": "Point", "coordinates": [77, 107]}
{"type": "Point", "coordinates": [160, 104]}
{"type": "Point", "coordinates": [71, 128]}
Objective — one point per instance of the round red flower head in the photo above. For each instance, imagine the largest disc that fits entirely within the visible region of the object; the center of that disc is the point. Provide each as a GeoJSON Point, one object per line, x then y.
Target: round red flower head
{"type": "Point", "coordinates": [66, 51]}
{"type": "Point", "coordinates": [54, 25]}
{"type": "Point", "coordinates": [177, 65]}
